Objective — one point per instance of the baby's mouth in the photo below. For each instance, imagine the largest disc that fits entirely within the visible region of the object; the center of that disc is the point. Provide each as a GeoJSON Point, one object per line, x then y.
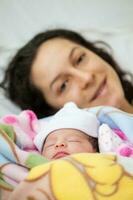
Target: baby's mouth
{"type": "Point", "coordinates": [60, 154]}
{"type": "Point", "coordinates": [100, 91]}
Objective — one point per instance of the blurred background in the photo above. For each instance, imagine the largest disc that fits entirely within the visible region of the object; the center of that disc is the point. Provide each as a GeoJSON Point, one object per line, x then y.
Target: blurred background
{"type": "Point", "coordinates": [107, 20]}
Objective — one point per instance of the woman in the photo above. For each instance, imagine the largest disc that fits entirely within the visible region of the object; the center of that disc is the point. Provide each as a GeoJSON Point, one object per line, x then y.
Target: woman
{"type": "Point", "coordinates": [58, 66]}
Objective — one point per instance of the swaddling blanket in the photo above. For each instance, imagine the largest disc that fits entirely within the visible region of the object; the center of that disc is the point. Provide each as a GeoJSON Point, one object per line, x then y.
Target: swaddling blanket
{"type": "Point", "coordinates": [18, 156]}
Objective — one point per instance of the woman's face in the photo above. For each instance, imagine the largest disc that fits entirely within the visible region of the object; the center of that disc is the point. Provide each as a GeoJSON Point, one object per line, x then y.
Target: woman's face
{"type": "Point", "coordinates": [65, 71]}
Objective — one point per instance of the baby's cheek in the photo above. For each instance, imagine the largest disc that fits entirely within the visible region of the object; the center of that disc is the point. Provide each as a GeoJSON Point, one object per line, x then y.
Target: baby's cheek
{"type": "Point", "coordinates": [87, 147]}
{"type": "Point", "coordinates": [45, 152]}
{"type": "Point", "coordinates": [79, 148]}
{"type": "Point", "coordinates": [73, 148]}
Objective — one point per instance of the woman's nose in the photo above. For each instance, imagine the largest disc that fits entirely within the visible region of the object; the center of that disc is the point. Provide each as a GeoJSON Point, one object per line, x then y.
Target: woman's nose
{"type": "Point", "coordinates": [84, 78]}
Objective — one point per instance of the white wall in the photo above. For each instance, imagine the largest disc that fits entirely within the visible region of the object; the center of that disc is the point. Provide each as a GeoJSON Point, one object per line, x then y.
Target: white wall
{"type": "Point", "coordinates": [109, 20]}
{"type": "Point", "coordinates": [19, 20]}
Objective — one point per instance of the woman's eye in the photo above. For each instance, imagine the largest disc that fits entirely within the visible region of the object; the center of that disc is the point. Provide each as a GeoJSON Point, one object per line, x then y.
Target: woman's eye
{"type": "Point", "coordinates": [63, 86]}
{"type": "Point", "coordinates": [80, 59]}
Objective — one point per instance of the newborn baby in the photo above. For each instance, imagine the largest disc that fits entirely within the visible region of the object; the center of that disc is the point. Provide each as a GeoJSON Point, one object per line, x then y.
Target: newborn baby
{"type": "Point", "coordinates": [71, 130]}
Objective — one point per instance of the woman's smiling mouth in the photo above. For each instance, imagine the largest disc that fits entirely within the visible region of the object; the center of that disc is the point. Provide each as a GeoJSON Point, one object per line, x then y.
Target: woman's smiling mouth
{"type": "Point", "coordinates": [100, 91]}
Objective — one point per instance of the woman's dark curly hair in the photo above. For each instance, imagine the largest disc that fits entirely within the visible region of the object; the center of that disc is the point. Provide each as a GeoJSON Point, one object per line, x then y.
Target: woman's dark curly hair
{"type": "Point", "coordinates": [17, 83]}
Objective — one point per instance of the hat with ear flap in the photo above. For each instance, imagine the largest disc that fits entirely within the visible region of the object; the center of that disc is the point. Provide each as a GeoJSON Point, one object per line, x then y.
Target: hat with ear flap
{"type": "Point", "coordinates": [71, 117]}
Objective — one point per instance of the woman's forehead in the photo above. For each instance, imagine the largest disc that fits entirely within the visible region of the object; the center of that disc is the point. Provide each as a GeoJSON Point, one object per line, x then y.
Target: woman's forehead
{"type": "Point", "coordinates": [52, 52]}
{"type": "Point", "coordinates": [54, 45]}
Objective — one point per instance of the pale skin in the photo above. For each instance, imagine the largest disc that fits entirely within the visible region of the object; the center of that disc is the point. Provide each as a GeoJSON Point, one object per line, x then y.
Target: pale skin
{"type": "Point", "coordinates": [64, 142]}
{"type": "Point", "coordinates": [65, 71]}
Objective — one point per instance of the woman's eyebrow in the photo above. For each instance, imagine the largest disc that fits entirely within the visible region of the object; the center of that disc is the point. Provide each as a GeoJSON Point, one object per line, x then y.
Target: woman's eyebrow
{"type": "Point", "coordinates": [59, 75]}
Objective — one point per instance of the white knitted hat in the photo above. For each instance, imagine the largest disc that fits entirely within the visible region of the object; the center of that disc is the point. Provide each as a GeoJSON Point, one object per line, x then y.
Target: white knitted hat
{"type": "Point", "coordinates": [70, 116]}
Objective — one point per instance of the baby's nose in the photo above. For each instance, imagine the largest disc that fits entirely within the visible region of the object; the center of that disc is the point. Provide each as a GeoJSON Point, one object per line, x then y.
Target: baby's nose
{"type": "Point", "coordinates": [61, 144]}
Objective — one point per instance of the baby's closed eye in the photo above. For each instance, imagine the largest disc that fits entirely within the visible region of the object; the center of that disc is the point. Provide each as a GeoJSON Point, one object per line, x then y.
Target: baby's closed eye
{"type": "Point", "coordinates": [73, 140]}
{"type": "Point", "coordinates": [49, 144]}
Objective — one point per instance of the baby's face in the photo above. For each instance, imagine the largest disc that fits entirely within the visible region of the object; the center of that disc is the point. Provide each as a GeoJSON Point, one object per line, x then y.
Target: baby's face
{"type": "Point", "coordinates": [64, 142]}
